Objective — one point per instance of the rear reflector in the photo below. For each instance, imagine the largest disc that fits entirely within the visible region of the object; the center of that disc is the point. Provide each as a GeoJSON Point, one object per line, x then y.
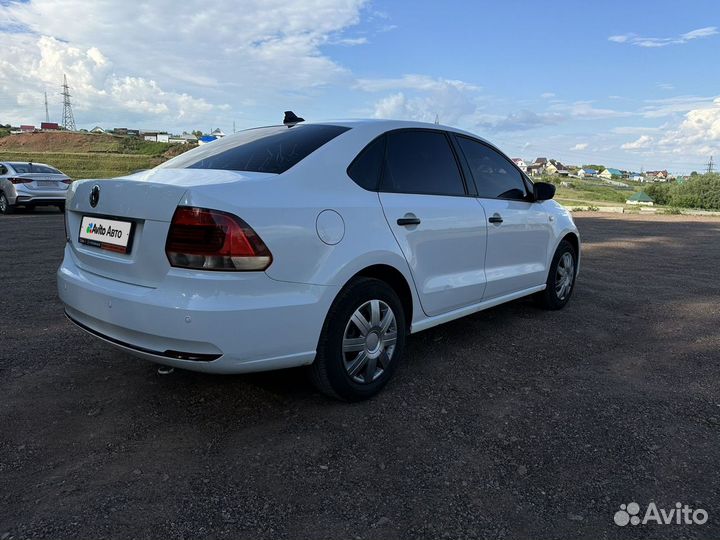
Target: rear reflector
{"type": "Point", "coordinates": [205, 239]}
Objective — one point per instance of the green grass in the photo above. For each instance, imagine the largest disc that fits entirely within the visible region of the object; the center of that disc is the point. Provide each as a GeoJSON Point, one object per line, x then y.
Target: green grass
{"type": "Point", "coordinates": [89, 165]}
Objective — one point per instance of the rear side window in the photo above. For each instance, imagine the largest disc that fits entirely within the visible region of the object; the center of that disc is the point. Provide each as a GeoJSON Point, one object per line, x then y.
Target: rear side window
{"type": "Point", "coordinates": [421, 162]}
{"type": "Point", "coordinates": [271, 149]}
{"type": "Point", "coordinates": [366, 168]}
{"type": "Point", "coordinates": [495, 176]}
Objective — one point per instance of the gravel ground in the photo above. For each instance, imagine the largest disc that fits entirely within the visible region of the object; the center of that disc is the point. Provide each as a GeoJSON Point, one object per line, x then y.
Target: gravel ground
{"type": "Point", "coordinates": [512, 423]}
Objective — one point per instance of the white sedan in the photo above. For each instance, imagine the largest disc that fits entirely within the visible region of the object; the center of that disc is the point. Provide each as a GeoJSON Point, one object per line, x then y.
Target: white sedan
{"type": "Point", "coordinates": [319, 244]}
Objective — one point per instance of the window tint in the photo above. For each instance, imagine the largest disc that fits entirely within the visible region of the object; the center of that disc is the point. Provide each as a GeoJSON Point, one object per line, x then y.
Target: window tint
{"type": "Point", "coordinates": [421, 162]}
{"type": "Point", "coordinates": [365, 170]}
{"type": "Point", "coordinates": [25, 168]}
{"type": "Point", "coordinates": [3, 169]}
{"type": "Point", "coordinates": [271, 149]}
{"type": "Point", "coordinates": [495, 176]}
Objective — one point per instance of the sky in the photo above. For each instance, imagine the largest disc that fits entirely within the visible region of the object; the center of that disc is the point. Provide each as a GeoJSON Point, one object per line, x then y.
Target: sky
{"type": "Point", "coordinates": [626, 84]}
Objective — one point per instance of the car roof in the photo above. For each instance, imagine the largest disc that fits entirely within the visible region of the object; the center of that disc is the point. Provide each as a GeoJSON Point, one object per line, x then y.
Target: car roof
{"type": "Point", "coordinates": [25, 163]}
{"type": "Point", "coordinates": [387, 125]}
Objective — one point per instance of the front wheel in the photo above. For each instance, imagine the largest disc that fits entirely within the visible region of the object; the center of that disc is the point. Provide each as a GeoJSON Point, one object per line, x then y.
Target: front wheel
{"type": "Point", "coordinates": [561, 278]}
{"type": "Point", "coordinates": [5, 207]}
{"type": "Point", "coordinates": [362, 341]}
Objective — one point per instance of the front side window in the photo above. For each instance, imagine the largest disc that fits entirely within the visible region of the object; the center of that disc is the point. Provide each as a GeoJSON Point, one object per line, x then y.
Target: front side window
{"type": "Point", "coordinates": [271, 149]}
{"type": "Point", "coordinates": [495, 176]}
{"type": "Point", "coordinates": [421, 162]}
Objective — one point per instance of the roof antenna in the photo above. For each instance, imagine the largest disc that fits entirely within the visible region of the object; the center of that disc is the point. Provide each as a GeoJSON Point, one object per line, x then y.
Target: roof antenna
{"type": "Point", "coordinates": [291, 119]}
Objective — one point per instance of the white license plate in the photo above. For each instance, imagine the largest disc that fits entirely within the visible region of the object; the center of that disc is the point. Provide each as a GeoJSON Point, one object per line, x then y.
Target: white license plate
{"type": "Point", "coordinates": [46, 183]}
{"type": "Point", "coordinates": [110, 234]}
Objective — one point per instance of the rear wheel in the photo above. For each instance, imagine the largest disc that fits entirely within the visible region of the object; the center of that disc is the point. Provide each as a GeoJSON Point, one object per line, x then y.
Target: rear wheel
{"type": "Point", "coordinates": [561, 278]}
{"type": "Point", "coordinates": [5, 207]}
{"type": "Point", "coordinates": [362, 341]}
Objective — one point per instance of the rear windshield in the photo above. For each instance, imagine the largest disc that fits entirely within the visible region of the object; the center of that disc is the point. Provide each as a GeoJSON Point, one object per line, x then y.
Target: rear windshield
{"type": "Point", "coordinates": [269, 149]}
{"type": "Point", "coordinates": [26, 168]}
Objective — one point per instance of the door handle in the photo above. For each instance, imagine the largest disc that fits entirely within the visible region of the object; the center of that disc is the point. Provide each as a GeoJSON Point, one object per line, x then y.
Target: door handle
{"type": "Point", "coordinates": [496, 218]}
{"type": "Point", "coordinates": [408, 220]}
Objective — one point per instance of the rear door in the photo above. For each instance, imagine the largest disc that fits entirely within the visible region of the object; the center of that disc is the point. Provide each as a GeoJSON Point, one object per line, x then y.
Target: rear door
{"type": "Point", "coordinates": [440, 229]}
{"type": "Point", "coordinates": [519, 230]}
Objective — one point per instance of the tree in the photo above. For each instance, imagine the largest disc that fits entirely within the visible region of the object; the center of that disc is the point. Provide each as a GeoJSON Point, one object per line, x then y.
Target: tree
{"type": "Point", "coordinates": [197, 133]}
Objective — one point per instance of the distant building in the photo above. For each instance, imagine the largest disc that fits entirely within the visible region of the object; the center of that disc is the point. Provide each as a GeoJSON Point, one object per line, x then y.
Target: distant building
{"type": "Point", "coordinates": [641, 198]}
{"type": "Point", "coordinates": [49, 126]}
{"type": "Point", "coordinates": [185, 138]}
{"type": "Point", "coordinates": [217, 133]}
{"type": "Point", "coordinates": [206, 139]}
{"type": "Point", "coordinates": [611, 173]}
{"type": "Point", "coordinates": [97, 129]}
{"type": "Point", "coordinates": [27, 129]}
{"type": "Point", "coordinates": [556, 168]}
{"type": "Point", "coordinates": [582, 173]}
{"type": "Point", "coordinates": [520, 163]}
{"type": "Point", "coordinates": [120, 131]}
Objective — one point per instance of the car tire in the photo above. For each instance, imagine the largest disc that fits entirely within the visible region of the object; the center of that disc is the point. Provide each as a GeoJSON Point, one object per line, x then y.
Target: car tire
{"type": "Point", "coordinates": [561, 278]}
{"type": "Point", "coordinates": [5, 206]}
{"type": "Point", "coordinates": [356, 358]}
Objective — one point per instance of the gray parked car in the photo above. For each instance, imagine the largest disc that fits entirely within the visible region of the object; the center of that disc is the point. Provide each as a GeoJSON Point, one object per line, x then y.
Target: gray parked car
{"type": "Point", "coordinates": [30, 185]}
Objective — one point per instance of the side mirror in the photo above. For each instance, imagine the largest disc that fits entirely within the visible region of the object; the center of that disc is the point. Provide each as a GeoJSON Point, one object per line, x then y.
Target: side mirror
{"type": "Point", "coordinates": [542, 191]}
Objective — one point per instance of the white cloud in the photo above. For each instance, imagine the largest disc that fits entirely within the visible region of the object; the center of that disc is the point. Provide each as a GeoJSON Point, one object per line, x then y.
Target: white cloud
{"type": "Point", "coordinates": [644, 141]}
{"type": "Point", "coordinates": [422, 98]}
{"type": "Point", "coordinates": [414, 82]}
{"type": "Point", "coordinates": [580, 146]}
{"type": "Point", "coordinates": [654, 42]}
{"type": "Point", "coordinates": [153, 60]}
{"type": "Point", "coordinates": [547, 95]}
{"type": "Point", "coordinates": [585, 110]}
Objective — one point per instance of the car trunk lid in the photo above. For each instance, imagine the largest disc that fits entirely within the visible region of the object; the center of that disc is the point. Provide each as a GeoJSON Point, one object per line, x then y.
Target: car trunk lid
{"type": "Point", "coordinates": [147, 201]}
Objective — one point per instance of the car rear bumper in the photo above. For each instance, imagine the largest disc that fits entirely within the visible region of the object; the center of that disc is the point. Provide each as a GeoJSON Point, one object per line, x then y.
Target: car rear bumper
{"type": "Point", "coordinates": [23, 195]}
{"type": "Point", "coordinates": [203, 321]}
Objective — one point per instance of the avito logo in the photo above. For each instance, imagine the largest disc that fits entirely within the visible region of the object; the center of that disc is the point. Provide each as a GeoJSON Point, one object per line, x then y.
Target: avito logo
{"type": "Point", "coordinates": [680, 515]}
{"type": "Point", "coordinates": [100, 230]}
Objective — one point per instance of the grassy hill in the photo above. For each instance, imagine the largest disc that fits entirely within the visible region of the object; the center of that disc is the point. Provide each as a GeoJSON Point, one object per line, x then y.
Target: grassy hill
{"type": "Point", "coordinates": [87, 155]}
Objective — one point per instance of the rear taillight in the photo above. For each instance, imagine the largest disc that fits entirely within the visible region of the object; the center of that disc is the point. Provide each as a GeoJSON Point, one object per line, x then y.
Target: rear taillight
{"type": "Point", "coordinates": [20, 180]}
{"type": "Point", "coordinates": [67, 181]}
{"type": "Point", "coordinates": [212, 240]}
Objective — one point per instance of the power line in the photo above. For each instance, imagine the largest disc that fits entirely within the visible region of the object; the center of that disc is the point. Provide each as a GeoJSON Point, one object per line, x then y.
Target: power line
{"type": "Point", "coordinates": [68, 120]}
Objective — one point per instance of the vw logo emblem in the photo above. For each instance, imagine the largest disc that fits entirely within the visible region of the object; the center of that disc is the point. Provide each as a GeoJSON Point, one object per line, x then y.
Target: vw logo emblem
{"type": "Point", "coordinates": [94, 195]}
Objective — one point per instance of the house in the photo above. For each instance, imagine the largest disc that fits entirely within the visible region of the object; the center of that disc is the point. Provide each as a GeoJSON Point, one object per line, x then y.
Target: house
{"type": "Point", "coordinates": [97, 129]}
{"type": "Point", "coordinates": [582, 173]}
{"type": "Point", "coordinates": [163, 137]}
{"type": "Point", "coordinates": [185, 138]}
{"type": "Point", "coordinates": [641, 198]}
{"type": "Point", "coordinates": [658, 176]}
{"type": "Point", "coordinates": [537, 167]}
{"type": "Point", "coordinates": [609, 173]}
{"type": "Point", "coordinates": [520, 163]}
{"type": "Point", "coordinates": [206, 139]}
{"type": "Point", "coordinates": [556, 168]}
{"type": "Point", "coordinates": [27, 129]}
{"type": "Point", "coordinates": [49, 126]}
{"type": "Point", "coordinates": [218, 133]}
{"type": "Point", "coordinates": [120, 131]}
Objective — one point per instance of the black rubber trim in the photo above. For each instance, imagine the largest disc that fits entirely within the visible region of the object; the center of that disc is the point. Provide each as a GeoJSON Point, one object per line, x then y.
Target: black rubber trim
{"type": "Point", "coordinates": [175, 355]}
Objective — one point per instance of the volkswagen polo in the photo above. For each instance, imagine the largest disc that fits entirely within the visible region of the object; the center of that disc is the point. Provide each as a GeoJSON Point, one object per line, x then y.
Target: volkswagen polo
{"type": "Point", "coordinates": [317, 244]}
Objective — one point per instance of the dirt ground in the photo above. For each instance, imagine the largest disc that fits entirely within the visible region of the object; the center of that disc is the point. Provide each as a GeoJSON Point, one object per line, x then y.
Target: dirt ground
{"type": "Point", "coordinates": [511, 423]}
